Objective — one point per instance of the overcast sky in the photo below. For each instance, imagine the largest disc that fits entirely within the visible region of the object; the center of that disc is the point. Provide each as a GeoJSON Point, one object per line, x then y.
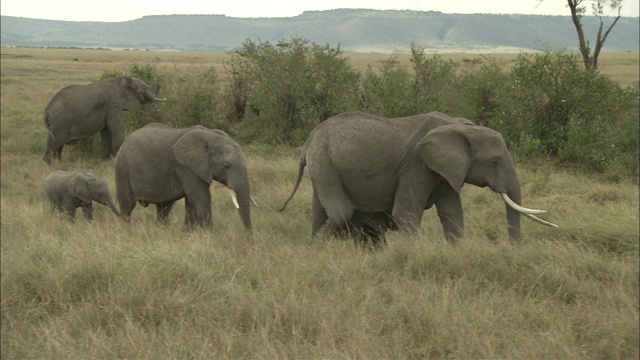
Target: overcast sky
{"type": "Point", "coordinates": [123, 10]}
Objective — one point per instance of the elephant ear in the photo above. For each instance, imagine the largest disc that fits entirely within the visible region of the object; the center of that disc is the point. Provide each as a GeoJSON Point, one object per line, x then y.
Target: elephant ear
{"type": "Point", "coordinates": [78, 187]}
{"type": "Point", "coordinates": [445, 150]}
{"type": "Point", "coordinates": [192, 151]}
{"type": "Point", "coordinates": [126, 94]}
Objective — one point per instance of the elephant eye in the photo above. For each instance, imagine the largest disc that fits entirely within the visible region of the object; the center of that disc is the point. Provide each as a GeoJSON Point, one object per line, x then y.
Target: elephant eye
{"type": "Point", "coordinates": [226, 164]}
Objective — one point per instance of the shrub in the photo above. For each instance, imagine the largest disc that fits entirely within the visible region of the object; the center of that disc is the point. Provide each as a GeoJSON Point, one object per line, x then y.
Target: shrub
{"type": "Point", "coordinates": [289, 87]}
{"type": "Point", "coordinates": [394, 91]}
{"type": "Point", "coordinates": [433, 78]}
{"type": "Point", "coordinates": [387, 91]}
{"type": "Point", "coordinates": [476, 88]}
{"type": "Point", "coordinates": [575, 114]}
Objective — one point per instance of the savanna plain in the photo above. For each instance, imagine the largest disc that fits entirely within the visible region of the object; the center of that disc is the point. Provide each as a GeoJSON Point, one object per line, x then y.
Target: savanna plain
{"type": "Point", "coordinates": [105, 289]}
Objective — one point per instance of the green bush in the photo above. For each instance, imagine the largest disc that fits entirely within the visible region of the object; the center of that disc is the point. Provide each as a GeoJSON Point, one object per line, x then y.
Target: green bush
{"type": "Point", "coordinates": [288, 87]}
{"type": "Point", "coordinates": [476, 89]}
{"type": "Point", "coordinates": [387, 90]}
{"type": "Point", "coordinates": [394, 91]}
{"type": "Point", "coordinates": [575, 115]}
{"type": "Point", "coordinates": [432, 83]}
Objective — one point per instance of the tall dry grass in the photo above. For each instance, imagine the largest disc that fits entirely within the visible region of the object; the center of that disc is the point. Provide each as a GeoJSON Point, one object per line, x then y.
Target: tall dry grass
{"type": "Point", "coordinates": [105, 289]}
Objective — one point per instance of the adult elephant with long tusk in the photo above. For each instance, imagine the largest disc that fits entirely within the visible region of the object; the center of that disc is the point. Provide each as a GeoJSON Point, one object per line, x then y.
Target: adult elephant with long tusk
{"type": "Point", "coordinates": [79, 111]}
{"type": "Point", "coordinates": [386, 172]}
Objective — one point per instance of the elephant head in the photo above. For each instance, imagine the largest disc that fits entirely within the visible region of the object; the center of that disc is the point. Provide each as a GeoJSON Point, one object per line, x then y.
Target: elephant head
{"type": "Point", "coordinates": [476, 155]}
{"type": "Point", "coordinates": [213, 155]}
{"type": "Point", "coordinates": [131, 93]}
{"type": "Point", "coordinates": [87, 188]}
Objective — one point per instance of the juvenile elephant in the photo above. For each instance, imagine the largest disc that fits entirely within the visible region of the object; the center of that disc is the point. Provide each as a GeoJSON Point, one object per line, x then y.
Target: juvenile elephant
{"type": "Point", "coordinates": [394, 169]}
{"type": "Point", "coordinates": [79, 111]}
{"type": "Point", "coordinates": [160, 165]}
{"type": "Point", "coordinates": [67, 191]}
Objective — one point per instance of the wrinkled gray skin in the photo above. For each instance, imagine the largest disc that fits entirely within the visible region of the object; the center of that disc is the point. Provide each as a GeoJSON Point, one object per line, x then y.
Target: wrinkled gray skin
{"type": "Point", "coordinates": [158, 164]}
{"type": "Point", "coordinates": [79, 111]}
{"type": "Point", "coordinates": [67, 191]}
{"type": "Point", "coordinates": [374, 167]}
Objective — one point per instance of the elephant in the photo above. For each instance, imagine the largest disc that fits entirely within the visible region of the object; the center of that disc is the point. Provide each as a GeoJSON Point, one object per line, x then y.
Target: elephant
{"type": "Point", "coordinates": [392, 169]}
{"type": "Point", "coordinates": [67, 191]}
{"type": "Point", "coordinates": [79, 111]}
{"type": "Point", "coordinates": [160, 165]}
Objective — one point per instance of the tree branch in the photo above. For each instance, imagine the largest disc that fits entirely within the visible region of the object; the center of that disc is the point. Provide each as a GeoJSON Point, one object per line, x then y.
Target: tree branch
{"type": "Point", "coordinates": [583, 46]}
{"type": "Point", "coordinates": [600, 40]}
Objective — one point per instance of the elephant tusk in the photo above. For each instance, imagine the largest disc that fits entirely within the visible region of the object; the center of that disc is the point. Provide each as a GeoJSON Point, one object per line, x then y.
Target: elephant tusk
{"type": "Point", "coordinates": [234, 198]}
{"type": "Point", "coordinates": [543, 222]}
{"type": "Point", "coordinates": [159, 99]}
{"type": "Point", "coordinates": [518, 208]}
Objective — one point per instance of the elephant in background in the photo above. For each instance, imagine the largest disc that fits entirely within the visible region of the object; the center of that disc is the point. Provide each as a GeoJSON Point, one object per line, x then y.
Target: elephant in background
{"type": "Point", "coordinates": [67, 191]}
{"type": "Point", "coordinates": [391, 170]}
{"type": "Point", "coordinates": [160, 165]}
{"type": "Point", "coordinates": [79, 111]}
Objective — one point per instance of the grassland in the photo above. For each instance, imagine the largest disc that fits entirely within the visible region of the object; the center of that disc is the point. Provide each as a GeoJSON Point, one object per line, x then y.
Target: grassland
{"type": "Point", "coordinates": [105, 290]}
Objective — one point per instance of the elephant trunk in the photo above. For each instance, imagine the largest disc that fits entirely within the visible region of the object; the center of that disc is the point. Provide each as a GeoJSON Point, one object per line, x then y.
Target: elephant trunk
{"type": "Point", "coordinates": [112, 206]}
{"type": "Point", "coordinates": [243, 195]}
{"type": "Point", "coordinates": [513, 203]}
{"type": "Point", "coordinates": [151, 94]}
{"type": "Point", "coordinates": [513, 215]}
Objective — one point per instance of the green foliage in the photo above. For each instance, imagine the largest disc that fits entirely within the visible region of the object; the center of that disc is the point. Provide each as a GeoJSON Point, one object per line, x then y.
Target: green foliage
{"type": "Point", "coordinates": [573, 114]}
{"type": "Point", "coordinates": [431, 81]}
{"type": "Point", "coordinates": [289, 86]}
{"type": "Point", "coordinates": [529, 146]}
{"type": "Point", "coordinates": [394, 91]}
{"type": "Point", "coordinates": [476, 89]}
{"type": "Point", "coordinates": [387, 91]}
{"type": "Point", "coordinates": [193, 98]}
{"type": "Point", "coordinates": [145, 72]}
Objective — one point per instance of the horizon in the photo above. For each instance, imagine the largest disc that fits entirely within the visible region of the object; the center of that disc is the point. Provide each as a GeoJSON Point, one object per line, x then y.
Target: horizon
{"type": "Point", "coordinates": [122, 10]}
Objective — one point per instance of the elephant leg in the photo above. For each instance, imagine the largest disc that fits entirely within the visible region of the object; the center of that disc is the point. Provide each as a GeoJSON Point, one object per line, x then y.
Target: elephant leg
{"type": "Point", "coordinates": [115, 127]}
{"type": "Point", "coordinates": [162, 210]}
{"type": "Point", "coordinates": [449, 207]}
{"type": "Point", "coordinates": [339, 211]}
{"type": "Point", "coordinates": [53, 151]}
{"type": "Point", "coordinates": [88, 211]}
{"type": "Point", "coordinates": [319, 215]}
{"type": "Point", "coordinates": [407, 220]}
{"type": "Point", "coordinates": [408, 208]}
{"type": "Point", "coordinates": [105, 143]}
{"type": "Point", "coordinates": [189, 214]}
{"type": "Point", "coordinates": [197, 199]}
{"type": "Point", "coordinates": [126, 201]}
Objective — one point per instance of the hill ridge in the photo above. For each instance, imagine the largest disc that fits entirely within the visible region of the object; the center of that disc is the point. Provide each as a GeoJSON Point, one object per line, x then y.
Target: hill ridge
{"type": "Point", "coordinates": [355, 30]}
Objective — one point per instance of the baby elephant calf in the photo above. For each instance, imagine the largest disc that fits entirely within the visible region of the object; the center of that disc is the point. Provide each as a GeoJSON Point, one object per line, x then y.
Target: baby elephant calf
{"type": "Point", "coordinates": [67, 191]}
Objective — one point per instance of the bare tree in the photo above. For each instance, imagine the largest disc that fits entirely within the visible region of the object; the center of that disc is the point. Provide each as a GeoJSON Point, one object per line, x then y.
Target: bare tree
{"type": "Point", "coordinates": [577, 12]}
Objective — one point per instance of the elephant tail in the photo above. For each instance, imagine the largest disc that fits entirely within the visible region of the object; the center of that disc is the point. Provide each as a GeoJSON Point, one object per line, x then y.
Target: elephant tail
{"type": "Point", "coordinates": [301, 166]}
